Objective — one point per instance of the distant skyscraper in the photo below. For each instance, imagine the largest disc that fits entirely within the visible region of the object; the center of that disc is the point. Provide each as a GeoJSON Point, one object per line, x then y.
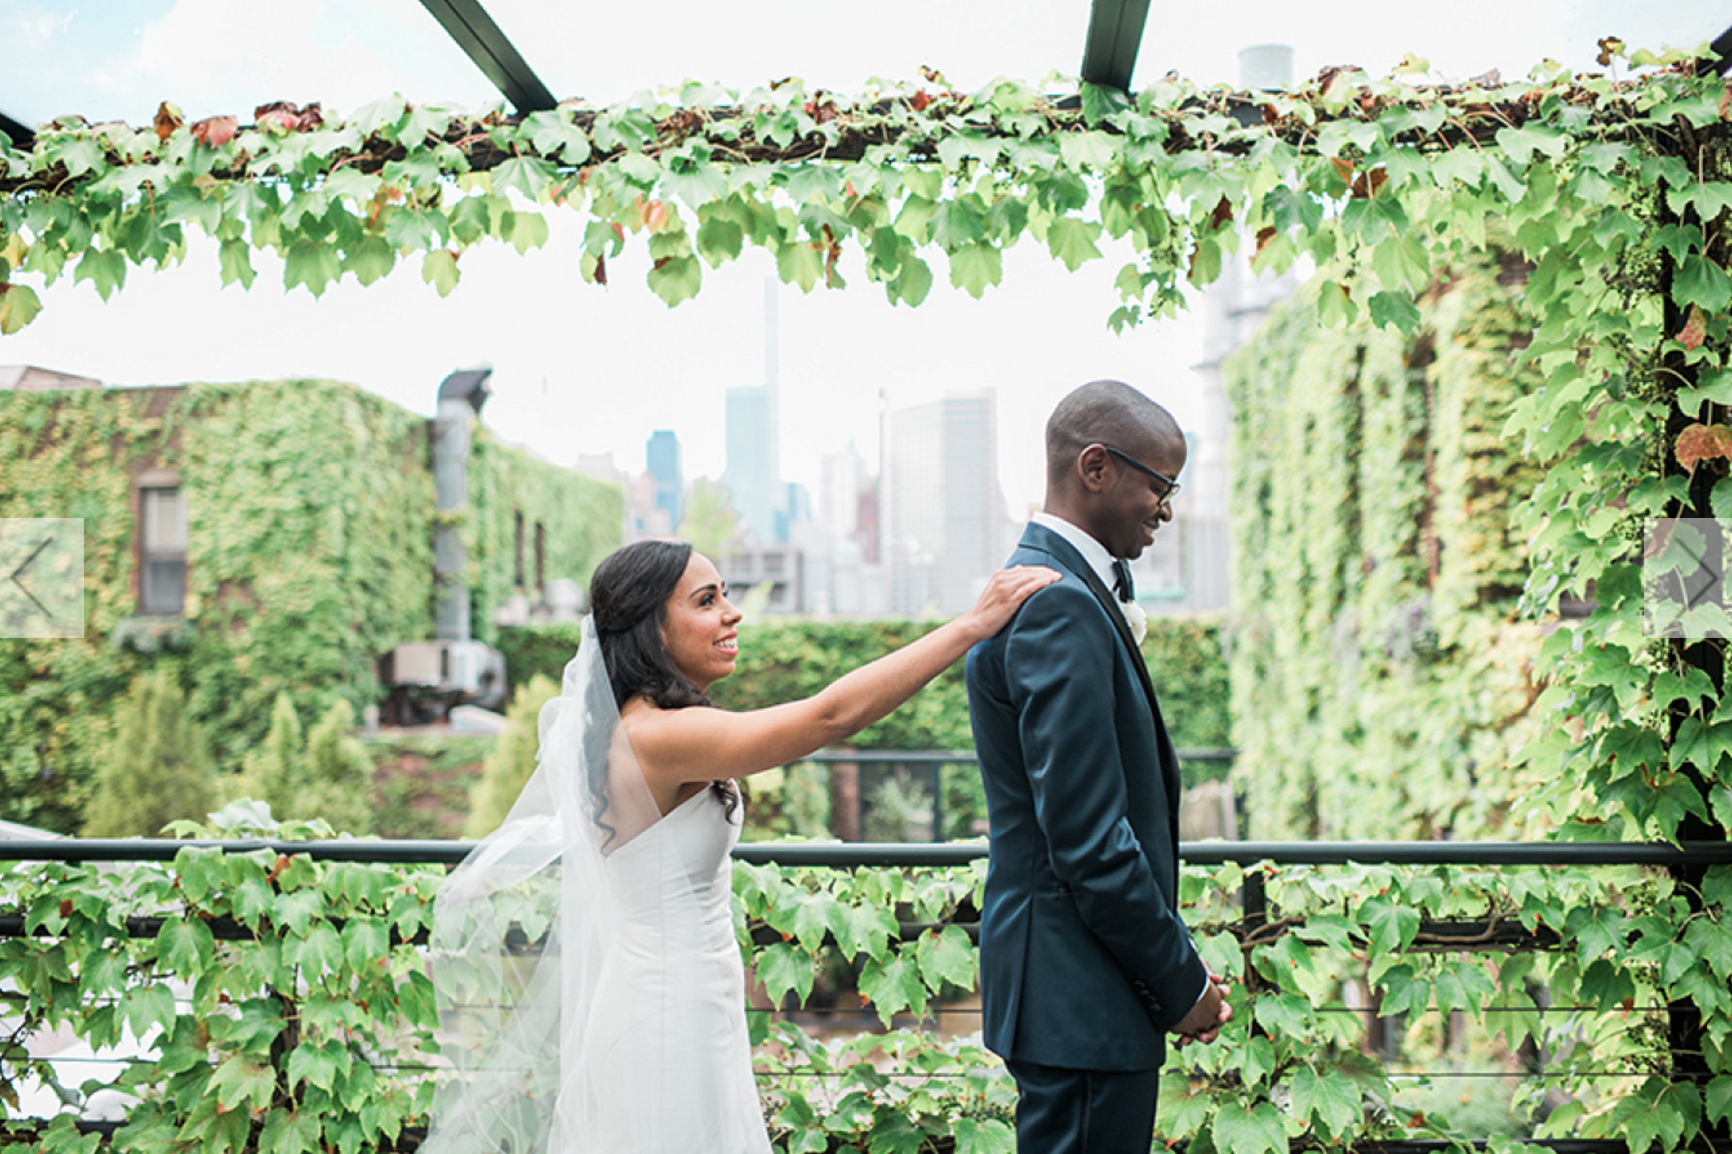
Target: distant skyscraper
{"type": "Point", "coordinates": [754, 463]}
{"type": "Point", "coordinates": [942, 504]}
{"type": "Point", "coordinates": [662, 454]}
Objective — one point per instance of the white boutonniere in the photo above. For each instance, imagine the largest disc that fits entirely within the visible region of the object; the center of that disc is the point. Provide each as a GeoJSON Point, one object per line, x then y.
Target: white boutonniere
{"type": "Point", "coordinates": [1136, 619]}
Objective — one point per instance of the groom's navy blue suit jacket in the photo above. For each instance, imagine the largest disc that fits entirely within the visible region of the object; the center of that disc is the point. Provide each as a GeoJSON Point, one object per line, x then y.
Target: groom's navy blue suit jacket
{"type": "Point", "coordinates": [1084, 961]}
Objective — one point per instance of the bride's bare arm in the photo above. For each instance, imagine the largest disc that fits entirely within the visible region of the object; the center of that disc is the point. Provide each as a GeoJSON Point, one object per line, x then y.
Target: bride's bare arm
{"type": "Point", "coordinates": [676, 746]}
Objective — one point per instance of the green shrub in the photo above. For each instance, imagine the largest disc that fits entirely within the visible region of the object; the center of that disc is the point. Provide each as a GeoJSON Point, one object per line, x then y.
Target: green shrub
{"type": "Point", "coordinates": [157, 769]}
{"type": "Point", "coordinates": [507, 767]}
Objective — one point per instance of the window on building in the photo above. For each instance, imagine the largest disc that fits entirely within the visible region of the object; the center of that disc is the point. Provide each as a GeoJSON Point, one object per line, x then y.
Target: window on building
{"type": "Point", "coordinates": [517, 580]}
{"type": "Point", "coordinates": [540, 555]}
{"type": "Point", "coordinates": [162, 551]}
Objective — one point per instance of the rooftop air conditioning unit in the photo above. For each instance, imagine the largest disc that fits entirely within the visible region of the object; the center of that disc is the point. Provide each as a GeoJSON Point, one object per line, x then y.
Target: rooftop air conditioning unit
{"type": "Point", "coordinates": [468, 669]}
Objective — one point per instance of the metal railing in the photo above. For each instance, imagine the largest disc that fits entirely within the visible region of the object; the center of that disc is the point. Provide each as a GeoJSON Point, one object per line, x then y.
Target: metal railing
{"type": "Point", "coordinates": [838, 855]}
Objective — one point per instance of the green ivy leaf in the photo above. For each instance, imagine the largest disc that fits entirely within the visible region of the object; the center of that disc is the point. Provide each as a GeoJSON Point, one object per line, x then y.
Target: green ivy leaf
{"type": "Point", "coordinates": [553, 131]}
{"type": "Point", "coordinates": [1699, 281]}
{"type": "Point", "coordinates": [1335, 307]}
{"type": "Point", "coordinates": [1101, 101]}
{"type": "Point", "coordinates": [946, 956]}
{"type": "Point", "coordinates": [235, 258]}
{"type": "Point", "coordinates": [319, 954]}
{"type": "Point", "coordinates": [525, 231]}
{"type": "Point", "coordinates": [912, 282]}
{"type": "Point", "coordinates": [676, 278]}
{"type": "Point", "coordinates": [312, 263]}
{"type": "Point", "coordinates": [439, 269]}
{"type": "Point", "coordinates": [975, 267]}
{"type": "Point", "coordinates": [1253, 1130]}
{"type": "Point", "coordinates": [1072, 241]}
{"type": "Point", "coordinates": [1088, 150]}
{"type": "Point", "coordinates": [370, 259]}
{"type": "Point", "coordinates": [239, 1080]}
{"type": "Point", "coordinates": [1720, 1098]}
{"type": "Point", "coordinates": [989, 1136]}
{"type": "Point", "coordinates": [288, 1132]}
{"type": "Point", "coordinates": [185, 945]}
{"type": "Point", "coordinates": [1393, 310]}
{"type": "Point", "coordinates": [18, 307]}
{"type": "Point", "coordinates": [784, 969]}
{"type": "Point", "coordinates": [105, 269]}
{"type": "Point", "coordinates": [895, 1133]}
{"type": "Point", "coordinates": [147, 1007]}
{"type": "Point", "coordinates": [893, 985]}
{"type": "Point", "coordinates": [1519, 144]}
{"type": "Point", "coordinates": [1328, 1098]}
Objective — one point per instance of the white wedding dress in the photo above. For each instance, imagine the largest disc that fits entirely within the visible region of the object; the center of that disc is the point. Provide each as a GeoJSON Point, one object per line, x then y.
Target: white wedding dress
{"type": "Point", "coordinates": [590, 988]}
{"type": "Point", "coordinates": [668, 1031]}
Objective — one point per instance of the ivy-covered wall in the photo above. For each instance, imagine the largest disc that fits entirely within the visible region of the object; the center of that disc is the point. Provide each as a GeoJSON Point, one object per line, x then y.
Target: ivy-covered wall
{"type": "Point", "coordinates": [784, 659]}
{"type": "Point", "coordinates": [309, 555]}
{"type": "Point", "coordinates": [1380, 677]}
{"type": "Point", "coordinates": [582, 520]}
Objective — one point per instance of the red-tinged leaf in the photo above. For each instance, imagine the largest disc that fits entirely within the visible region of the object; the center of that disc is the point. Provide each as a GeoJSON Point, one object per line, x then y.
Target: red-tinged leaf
{"type": "Point", "coordinates": [1366, 184]}
{"type": "Point", "coordinates": [1695, 329]}
{"type": "Point", "coordinates": [1343, 166]}
{"type": "Point", "coordinates": [1223, 214]}
{"type": "Point", "coordinates": [1270, 117]}
{"type": "Point", "coordinates": [1264, 236]}
{"type": "Point", "coordinates": [167, 120]}
{"type": "Point", "coordinates": [920, 101]}
{"type": "Point", "coordinates": [283, 861]}
{"type": "Point", "coordinates": [215, 131]}
{"type": "Point", "coordinates": [601, 268]}
{"type": "Point", "coordinates": [286, 117]}
{"type": "Point", "coordinates": [619, 230]}
{"type": "Point", "coordinates": [1699, 443]}
{"type": "Point", "coordinates": [65, 907]}
{"type": "Point", "coordinates": [278, 117]}
{"type": "Point", "coordinates": [655, 214]}
{"type": "Point", "coordinates": [1416, 1121]}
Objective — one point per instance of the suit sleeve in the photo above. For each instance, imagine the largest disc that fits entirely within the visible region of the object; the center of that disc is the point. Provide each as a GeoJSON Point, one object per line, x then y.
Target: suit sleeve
{"type": "Point", "coordinates": [1059, 661]}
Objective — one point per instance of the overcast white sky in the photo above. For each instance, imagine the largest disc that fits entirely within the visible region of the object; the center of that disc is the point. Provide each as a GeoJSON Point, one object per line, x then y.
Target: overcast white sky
{"type": "Point", "coordinates": [581, 369]}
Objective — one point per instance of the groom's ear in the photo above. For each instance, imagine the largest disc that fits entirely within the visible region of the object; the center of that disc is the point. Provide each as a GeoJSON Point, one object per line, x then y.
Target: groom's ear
{"type": "Point", "coordinates": [1092, 468]}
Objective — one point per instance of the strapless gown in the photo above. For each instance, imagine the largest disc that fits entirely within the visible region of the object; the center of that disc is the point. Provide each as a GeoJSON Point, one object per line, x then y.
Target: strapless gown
{"type": "Point", "coordinates": [666, 1042]}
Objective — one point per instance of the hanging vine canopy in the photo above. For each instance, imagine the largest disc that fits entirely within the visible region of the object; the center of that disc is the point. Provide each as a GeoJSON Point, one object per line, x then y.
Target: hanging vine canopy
{"type": "Point", "coordinates": [1613, 193]}
{"type": "Point", "coordinates": [1343, 168]}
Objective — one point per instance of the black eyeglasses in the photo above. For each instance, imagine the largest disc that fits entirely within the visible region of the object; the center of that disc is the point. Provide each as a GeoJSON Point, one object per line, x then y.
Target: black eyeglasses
{"type": "Point", "coordinates": [1172, 485]}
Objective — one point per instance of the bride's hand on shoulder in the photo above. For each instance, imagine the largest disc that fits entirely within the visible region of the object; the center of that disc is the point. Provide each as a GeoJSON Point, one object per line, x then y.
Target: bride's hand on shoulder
{"type": "Point", "coordinates": [1003, 596]}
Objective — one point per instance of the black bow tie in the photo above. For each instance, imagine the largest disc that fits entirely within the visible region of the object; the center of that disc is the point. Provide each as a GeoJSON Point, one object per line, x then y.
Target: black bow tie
{"type": "Point", "coordinates": [1122, 580]}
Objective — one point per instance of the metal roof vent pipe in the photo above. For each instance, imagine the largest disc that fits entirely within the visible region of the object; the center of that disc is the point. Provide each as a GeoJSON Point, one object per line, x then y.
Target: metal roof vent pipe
{"type": "Point", "coordinates": [437, 678]}
{"type": "Point", "coordinates": [461, 396]}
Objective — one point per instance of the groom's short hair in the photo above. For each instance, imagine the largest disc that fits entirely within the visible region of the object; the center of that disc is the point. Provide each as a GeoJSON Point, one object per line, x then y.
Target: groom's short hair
{"type": "Point", "coordinates": [1106, 413]}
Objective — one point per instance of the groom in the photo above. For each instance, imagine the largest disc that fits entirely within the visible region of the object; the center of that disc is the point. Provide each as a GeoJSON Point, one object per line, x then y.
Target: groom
{"type": "Point", "coordinates": [1085, 965]}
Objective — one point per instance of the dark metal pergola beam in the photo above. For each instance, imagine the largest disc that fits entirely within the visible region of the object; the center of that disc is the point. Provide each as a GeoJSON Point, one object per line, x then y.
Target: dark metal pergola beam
{"type": "Point", "coordinates": [19, 134]}
{"type": "Point", "coordinates": [469, 25]}
{"type": "Point", "coordinates": [1115, 33]}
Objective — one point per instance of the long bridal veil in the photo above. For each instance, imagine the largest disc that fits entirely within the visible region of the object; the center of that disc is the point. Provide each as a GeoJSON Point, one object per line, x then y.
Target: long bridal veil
{"type": "Point", "coordinates": [521, 930]}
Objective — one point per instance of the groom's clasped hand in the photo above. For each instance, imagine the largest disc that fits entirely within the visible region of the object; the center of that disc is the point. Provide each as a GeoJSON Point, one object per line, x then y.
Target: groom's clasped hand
{"type": "Point", "coordinates": [1212, 1011]}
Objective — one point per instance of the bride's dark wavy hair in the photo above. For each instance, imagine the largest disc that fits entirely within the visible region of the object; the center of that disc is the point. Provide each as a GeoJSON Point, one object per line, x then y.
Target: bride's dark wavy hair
{"type": "Point", "coordinates": [628, 597]}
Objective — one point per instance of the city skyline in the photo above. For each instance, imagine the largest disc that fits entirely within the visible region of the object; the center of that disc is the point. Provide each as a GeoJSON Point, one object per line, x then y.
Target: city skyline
{"type": "Point", "coordinates": [581, 370]}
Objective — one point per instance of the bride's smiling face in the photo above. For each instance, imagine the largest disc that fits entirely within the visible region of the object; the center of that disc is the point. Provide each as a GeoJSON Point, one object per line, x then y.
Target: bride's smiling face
{"type": "Point", "coordinates": [699, 631]}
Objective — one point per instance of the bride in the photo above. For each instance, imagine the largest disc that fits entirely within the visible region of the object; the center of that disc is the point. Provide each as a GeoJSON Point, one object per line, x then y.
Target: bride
{"type": "Point", "coordinates": [591, 992]}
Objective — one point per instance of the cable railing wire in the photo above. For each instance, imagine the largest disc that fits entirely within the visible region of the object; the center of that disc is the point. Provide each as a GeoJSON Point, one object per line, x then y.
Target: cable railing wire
{"type": "Point", "coordinates": [854, 855]}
